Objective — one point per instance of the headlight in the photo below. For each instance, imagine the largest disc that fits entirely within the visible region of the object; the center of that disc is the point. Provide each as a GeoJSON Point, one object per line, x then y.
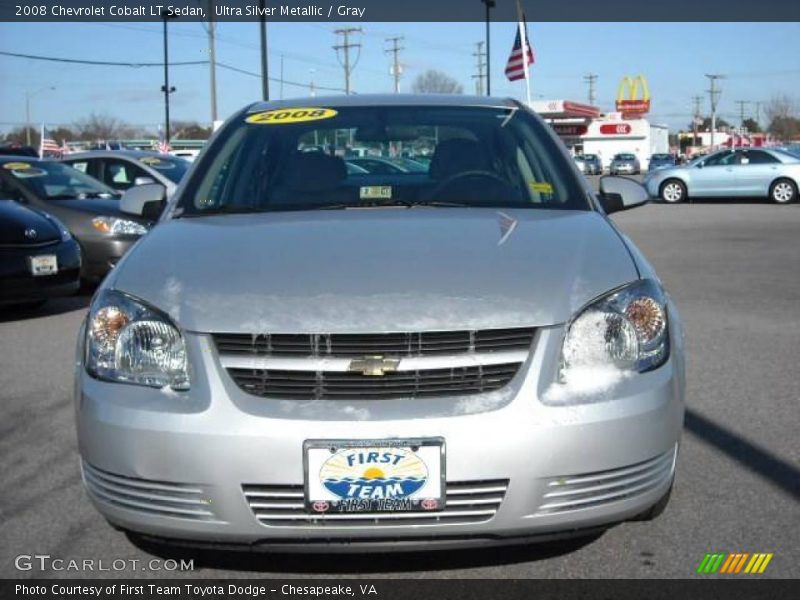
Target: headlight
{"type": "Point", "coordinates": [128, 341]}
{"type": "Point", "coordinates": [115, 226]}
{"type": "Point", "coordinates": [623, 332]}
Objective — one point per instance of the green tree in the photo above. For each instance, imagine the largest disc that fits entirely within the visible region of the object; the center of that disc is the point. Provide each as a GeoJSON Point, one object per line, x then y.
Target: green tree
{"type": "Point", "coordinates": [751, 125]}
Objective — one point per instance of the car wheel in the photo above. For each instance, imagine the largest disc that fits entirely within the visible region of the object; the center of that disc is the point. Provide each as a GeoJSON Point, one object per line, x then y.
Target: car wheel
{"type": "Point", "coordinates": [673, 191]}
{"type": "Point", "coordinates": [657, 508]}
{"type": "Point", "coordinates": [783, 191]}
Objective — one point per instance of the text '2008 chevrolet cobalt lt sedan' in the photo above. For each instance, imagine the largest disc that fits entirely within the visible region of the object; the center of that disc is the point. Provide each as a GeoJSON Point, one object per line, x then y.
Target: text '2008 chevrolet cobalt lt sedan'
{"type": "Point", "coordinates": [302, 357]}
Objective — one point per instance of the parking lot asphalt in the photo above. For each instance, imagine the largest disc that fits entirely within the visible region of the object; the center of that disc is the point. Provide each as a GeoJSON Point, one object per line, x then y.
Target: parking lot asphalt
{"type": "Point", "coordinates": [734, 270]}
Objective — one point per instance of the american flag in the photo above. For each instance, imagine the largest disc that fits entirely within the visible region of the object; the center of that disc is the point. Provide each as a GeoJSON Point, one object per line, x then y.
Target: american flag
{"type": "Point", "coordinates": [163, 145]}
{"type": "Point", "coordinates": [48, 145]}
{"type": "Point", "coordinates": [515, 68]}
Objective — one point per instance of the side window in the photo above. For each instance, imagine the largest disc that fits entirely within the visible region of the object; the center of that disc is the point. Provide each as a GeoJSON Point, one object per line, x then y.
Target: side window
{"type": "Point", "coordinates": [758, 157]}
{"type": "Point", "coordinates": [81, 165]}
{"type": "Point", "coordinates": [120, 175]}
{"type": "Point", "coordinates": [719, 159]}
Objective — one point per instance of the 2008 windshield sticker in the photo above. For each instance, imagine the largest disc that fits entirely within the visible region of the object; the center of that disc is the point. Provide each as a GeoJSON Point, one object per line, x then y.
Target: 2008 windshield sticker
{"type": "Point", "coordinates": [16, 166]}
{"type": "Point", "coordinates": [284, 116]}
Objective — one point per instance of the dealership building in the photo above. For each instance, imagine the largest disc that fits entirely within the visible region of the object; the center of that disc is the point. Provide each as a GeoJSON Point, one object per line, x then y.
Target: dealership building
{"type": "Point", "coordinates": [585, 130]}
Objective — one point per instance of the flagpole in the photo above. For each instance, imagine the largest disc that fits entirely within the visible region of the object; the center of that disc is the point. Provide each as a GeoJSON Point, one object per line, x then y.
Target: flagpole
{"type": "Point", "coordinates": [41, 142]}
{"type": "Point", "coordinates": [524, 39]}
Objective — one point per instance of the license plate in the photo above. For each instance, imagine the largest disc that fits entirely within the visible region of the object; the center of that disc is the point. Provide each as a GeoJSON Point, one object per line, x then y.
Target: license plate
{"type": "Point", "coordinates": [374, 475]}
{"type": "Point", "coordinates": [46, 264]}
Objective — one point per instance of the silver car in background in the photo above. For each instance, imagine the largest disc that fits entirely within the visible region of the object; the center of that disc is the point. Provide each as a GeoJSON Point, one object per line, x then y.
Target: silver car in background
{"type": "Point", "coordinates": [625, 163]}
{"type": "Point", "coordinates": [741, 173]}
{"type": "Point", "coordinates": [305, 358]}
{"type": "Point", "coordinates": [123, 169]}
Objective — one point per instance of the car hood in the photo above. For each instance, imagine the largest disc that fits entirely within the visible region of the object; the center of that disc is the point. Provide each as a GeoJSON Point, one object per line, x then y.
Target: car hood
{"type": "Point", "coordinates": [16, 219]}
{"type": "Point", "coordinates": [376, 270]}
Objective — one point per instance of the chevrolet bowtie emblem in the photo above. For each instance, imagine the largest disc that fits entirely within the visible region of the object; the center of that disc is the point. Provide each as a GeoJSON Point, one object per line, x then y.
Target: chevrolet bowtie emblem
{"type": "Point", "coordinates": [373, 366]}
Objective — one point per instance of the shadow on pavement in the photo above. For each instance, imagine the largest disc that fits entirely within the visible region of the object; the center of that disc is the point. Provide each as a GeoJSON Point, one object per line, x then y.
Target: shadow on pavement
{"type": "Point", "coordinates": [366, 562]}
{"type": "Point", "coordinates": [759, 460]}
{"type": "Point", "coordinates": [54, 306]}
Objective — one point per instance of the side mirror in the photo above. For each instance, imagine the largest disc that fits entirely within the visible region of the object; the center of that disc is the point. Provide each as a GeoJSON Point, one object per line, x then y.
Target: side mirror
{"type": "Point", "coordinates": [699, 165]}
{"type": "Point", "coordinates": [143, 180]}
{"type": "Point", "coordinates": [146, 200]}
{"type": "Point", "coordinates": [621, 193]}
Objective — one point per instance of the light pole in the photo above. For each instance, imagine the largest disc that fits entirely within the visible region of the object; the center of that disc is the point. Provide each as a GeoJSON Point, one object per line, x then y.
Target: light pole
{"type": "Point", "coordinates": [489, 5]}
{"type": "Point", "coordinates": [28, 96]}
{"type": "Point", "coordinates": [166, 87]}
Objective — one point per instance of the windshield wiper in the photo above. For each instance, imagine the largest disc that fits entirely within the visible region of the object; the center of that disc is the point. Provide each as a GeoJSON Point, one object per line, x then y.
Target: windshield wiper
{"type": "Point", "coordinates": [230, 209]}
{"type": "Point", "coordinates": [442, 203]}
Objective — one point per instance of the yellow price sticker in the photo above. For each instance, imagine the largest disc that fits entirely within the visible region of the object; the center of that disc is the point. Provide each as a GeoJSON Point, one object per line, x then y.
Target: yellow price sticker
{"type": "Point", "coordinates": [283, 116]}
{"type": "Point", "coordinates": [541, 187]}
{"type": "Point", "coordinates": [16, 166]}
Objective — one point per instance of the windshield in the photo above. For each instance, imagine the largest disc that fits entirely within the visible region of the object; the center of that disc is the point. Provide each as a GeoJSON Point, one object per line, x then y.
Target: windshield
{"type": "Point", "coordinates": [590, 157]}
{"type": "Point", "coordinates": [661, 157]}
{"type": "Point", "coordinates": [173, 168]}
{"type": "Point", "coordinates": [305, 159]}
{"type": "Point", "coordinates": [55, 180]}
{"type": "Point", "coordinates": [624, 157]}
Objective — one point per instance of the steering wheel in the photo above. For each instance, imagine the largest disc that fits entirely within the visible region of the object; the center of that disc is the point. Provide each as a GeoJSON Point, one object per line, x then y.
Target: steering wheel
{"type": "Point", "coordinates": [449, 181]}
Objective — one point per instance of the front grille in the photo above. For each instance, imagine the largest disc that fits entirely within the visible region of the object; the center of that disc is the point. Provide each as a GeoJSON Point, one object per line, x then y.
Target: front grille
{"type": "Point", "coordinates": [387, 344]}
{"type": "Point", "coordinates": [596, 489]}
{"type": "Point", "coordinates": [315, 385]}
{"type": "Point", "coordinates": [466, 502]}
{"type": "Point", "coordinates": [185, 501]}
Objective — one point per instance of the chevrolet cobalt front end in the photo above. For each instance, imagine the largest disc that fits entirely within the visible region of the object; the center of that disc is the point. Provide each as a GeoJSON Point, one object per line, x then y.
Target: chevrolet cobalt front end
{"type": "Point", "coordinates": [305, 358]}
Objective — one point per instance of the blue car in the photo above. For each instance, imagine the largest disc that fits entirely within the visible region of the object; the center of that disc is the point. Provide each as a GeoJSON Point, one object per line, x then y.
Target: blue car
{"type": "Point", "coordinates": [659, 161]}
{"type": "Point", "coordinates": [741, 173]}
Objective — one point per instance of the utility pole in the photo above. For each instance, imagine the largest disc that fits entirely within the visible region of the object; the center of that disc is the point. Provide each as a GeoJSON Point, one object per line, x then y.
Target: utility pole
{"type": "Point", "coordinates": [212, 60]}
{"type": "Point", "coordinates": [262, 4]}
{"type": "Point", "coordinates": [281, 88]}
{"type": "Point", "coordinates": [166, 87]}
{"type": "Point", "coordinates": [591, 79]}
{"type": "Point", "coordinates": [758, 112]}
{"type": "Point", "coordinates": [696, 119]}
{"type": "Point", "coordinates": [396, 67]}
{"type": "Point", "coordinates": [479, 55]}
{"type": "Point", "coordinates": [28, 96]}
{"type": "Point", "coordinates": [742, 104]}
{"type": "Point", "coordinates": [713, 94]}
{"type": "Point", "coordinates": [345, 46]}
{"type": "Point", "coordinates": [489, 5]}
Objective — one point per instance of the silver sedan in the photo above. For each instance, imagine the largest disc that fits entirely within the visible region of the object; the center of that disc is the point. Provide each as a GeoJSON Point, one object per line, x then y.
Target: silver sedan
{"type": "Point", "coordinates": [747, 172]}
{"type": "Point", "coordinates": [312, 359]}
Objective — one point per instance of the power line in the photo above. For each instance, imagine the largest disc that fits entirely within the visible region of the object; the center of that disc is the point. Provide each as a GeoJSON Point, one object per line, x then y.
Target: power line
{"type": "Point", "coordinates": [591, 79]}
{"type": "Point", "coordinates": [479, 77]}
{"type": "Point", "coordinates": [346, 46]}
{"type": "Point", "coordinates": [276, 79]}
{"type": "Point", "coordinates": [396, 66]}
{"type": "Point", "coordinates": [103, 63]}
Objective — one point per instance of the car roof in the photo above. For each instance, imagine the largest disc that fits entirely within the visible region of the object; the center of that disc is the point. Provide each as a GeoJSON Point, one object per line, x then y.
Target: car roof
{"type": "Point", "coordinates": [361, 100]}
{"type": "Point", "coordinates": [4, 158]}
{"type": "Point", "coordinates": [134, 154]}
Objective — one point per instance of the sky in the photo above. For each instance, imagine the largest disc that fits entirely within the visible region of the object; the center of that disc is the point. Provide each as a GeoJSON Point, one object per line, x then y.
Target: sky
{"type": "Point", "coordinates": [760, 60]}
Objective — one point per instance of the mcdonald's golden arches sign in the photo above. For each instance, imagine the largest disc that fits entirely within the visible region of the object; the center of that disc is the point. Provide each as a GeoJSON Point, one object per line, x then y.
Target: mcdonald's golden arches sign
{"type": "Point", "coordinates": [629, 103]}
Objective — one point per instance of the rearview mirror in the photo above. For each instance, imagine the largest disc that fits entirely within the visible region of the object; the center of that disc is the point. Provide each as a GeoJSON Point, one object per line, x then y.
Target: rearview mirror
{"type": "Point", "coordinates": [621, 193]}
{"type": "Point", "coordinates": [146, 200]}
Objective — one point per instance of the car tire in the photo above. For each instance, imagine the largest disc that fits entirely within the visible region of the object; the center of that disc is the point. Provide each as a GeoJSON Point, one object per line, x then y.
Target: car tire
{"type": "Point", "coordinates": [783, 191]}
{"type": "Point", "coordinates": [672, 191]}
{"type": "Point", "coordinates": [657, 509]}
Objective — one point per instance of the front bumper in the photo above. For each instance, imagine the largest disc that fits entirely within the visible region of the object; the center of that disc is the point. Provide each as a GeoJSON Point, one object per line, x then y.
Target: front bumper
{"type": "Point", "coordinates": [17, 283]}
{"type": "Point", "coordinates": [216, 465]}
{"type": "Point", "coordinates": [101, 254]}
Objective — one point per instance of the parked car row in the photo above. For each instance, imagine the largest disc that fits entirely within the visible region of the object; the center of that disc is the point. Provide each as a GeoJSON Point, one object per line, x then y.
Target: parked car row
{"type": "Point", "coordinates": [624, 163]}
{"type": "Point", "coordinates": [61, 222]}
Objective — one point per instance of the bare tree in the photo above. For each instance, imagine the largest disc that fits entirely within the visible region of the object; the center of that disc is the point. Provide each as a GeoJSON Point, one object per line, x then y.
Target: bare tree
{"type": "Point", "coordinates": [782, 112]}
{"type": "Point", "coordinates": [190, 130]}
{"type": "Point", "coordinates": [98, 127]}
{"type": "Point", "coordinates": [436, 82]}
